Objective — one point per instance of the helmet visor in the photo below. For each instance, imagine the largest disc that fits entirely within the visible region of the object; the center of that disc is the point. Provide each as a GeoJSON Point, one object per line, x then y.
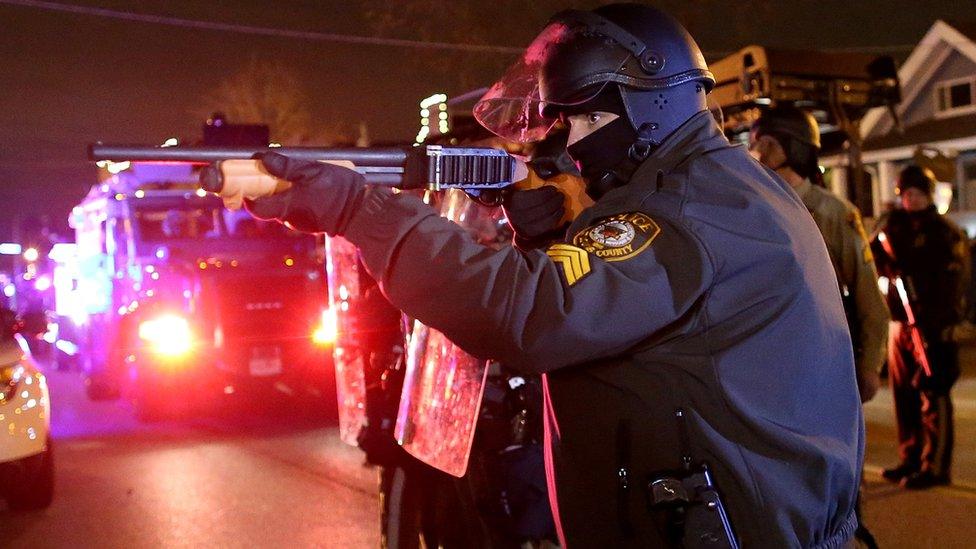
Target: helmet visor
{"type": "Point", "coordinates": [565, 66]}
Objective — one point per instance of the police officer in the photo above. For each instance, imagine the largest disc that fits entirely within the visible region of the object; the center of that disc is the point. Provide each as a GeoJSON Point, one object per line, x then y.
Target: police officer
{"type": "Point", "coordinates": [930, 256]}
{"type": "Point", "coordinates": [698, 364]}
{"type": "Point", "coordinates": [787, 139]}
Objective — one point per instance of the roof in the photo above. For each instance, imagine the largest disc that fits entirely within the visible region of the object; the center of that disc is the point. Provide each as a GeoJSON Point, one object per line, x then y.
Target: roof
{"type": "Point", "coordinates": [917, 69]}
{"type": "Point", "coordinates": [930, 131]}
{"type": "Point", "coordinates": [967, 28]}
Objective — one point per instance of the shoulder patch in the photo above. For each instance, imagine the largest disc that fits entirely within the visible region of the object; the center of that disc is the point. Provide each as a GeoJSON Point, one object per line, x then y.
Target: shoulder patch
{"type": "Point", "coordinates": [574, 261]}
{"type": "Point", "coordinates": [854, 218]}
{"type": "Point", "coordinates": [618, 237]}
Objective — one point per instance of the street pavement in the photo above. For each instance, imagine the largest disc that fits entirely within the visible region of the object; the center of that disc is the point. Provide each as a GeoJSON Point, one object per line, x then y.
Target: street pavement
{"type": "Point", "coordinates": [270, 471]}
{"type": "Point", "coordinates": [942, 517]}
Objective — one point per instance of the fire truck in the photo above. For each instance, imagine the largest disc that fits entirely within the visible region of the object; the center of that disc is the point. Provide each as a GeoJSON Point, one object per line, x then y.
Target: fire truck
{"type": "Point", "coordinates": [177, 301]}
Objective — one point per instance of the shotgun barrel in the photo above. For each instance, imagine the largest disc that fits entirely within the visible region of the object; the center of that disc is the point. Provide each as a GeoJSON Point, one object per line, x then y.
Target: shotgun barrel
{"type": "Point", "coordinates": [434, 167]}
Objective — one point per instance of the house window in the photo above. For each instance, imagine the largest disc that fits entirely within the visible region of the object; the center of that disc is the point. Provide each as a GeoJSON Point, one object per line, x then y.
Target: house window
{"type": "Point", "coordinates": [955, 96]}
{"type": "Point", "coordinates": [969, 184]}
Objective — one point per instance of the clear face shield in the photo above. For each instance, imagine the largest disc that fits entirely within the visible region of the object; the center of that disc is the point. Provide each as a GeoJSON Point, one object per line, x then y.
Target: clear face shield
{"type": "Point", "coordinates": [564, 67]}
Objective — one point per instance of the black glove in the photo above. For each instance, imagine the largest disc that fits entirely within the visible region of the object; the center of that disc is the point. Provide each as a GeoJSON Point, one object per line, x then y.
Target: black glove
{"type": "Point", "coordinates": [322, 199]}
{"type": "Point", "coordinates": [536, 214]}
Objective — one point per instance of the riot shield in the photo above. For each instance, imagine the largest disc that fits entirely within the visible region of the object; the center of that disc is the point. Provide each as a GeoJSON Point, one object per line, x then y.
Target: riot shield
{"type": "Point", "coordinates": [342, 270]}
{"type": "Point", "coordinates": [443, 385]}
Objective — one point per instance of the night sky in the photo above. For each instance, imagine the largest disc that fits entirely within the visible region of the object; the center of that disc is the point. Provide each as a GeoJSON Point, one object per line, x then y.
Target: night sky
{"type": "Point", "coordinates": [68, 79]}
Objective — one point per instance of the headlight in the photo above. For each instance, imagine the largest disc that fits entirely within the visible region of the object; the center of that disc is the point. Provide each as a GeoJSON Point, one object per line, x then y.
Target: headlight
{"type": "Point", "coordinates": [326, 332]}
{"type": "Point", "coordinates": [10, 378]}
{"type": "Point", "coordinates": [168, 335]}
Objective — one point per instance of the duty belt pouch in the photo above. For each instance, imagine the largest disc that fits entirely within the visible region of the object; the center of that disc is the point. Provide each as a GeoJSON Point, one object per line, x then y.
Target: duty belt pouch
{"type": "Point", "coordinates": [697, 512]}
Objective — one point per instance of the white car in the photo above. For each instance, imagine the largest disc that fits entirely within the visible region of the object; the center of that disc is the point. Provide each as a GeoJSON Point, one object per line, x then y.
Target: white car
{"type": "Point", "coordinates": [26, 461]}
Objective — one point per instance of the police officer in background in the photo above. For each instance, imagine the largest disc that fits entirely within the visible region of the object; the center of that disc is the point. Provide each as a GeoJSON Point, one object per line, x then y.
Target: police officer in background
{"type": "Point", "coordinates": [930, 256]}
{"type": "Point", "coordinates": [786, 140]}
{"type": "Point", "coordinates": [699, 380]}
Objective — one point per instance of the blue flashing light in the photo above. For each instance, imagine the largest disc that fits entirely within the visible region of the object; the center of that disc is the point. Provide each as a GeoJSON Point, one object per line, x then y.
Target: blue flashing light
{"type": "Point", "coordinates": [10, 248]}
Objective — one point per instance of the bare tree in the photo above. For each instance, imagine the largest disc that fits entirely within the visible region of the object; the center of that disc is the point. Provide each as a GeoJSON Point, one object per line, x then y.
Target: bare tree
{"type": "Point", "coordinates": [511, 23]}
{"type": "Point", "coordinates": [273, 94]}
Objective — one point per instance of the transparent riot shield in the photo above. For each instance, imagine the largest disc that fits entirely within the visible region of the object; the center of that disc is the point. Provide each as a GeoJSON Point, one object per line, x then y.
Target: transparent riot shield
{"type": "Point", "coordinates": [443, 385]}
{"type": "Point", "coordinates": [342, 268]}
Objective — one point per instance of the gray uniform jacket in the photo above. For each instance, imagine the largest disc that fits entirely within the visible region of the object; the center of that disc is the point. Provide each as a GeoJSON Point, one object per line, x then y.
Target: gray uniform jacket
{"type": "Point", "coordinates": [703, 286]}
{"type": "Point", "coordinates": [840, 223]}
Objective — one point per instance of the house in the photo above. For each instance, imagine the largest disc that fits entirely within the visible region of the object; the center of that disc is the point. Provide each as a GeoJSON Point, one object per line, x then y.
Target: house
{"type": "Point", "coordinates": [937, 112]}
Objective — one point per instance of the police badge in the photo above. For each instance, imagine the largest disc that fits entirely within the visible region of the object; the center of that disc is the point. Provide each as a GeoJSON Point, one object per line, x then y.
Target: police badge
{"type": "Point", "coordinates": [618, 237]}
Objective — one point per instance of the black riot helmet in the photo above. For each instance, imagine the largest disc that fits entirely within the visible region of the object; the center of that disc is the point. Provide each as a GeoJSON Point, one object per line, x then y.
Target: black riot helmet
{"type": "Point", "coordinates": [797, 131]}
{"type": "Point", "coordinates": [638, 51]}
{"type": "Point", "coordinates": [787, 121]}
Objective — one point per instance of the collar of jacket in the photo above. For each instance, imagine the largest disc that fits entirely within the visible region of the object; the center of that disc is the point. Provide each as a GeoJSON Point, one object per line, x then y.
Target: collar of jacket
{"type": "Point", "coordinates": [809, 198]}
{"type": "Point", "coordinates": [803, 188]}
{"type": "Point", "coordinates": [930, 211]}
{"type": "Point", "coordinates": [700, 134]}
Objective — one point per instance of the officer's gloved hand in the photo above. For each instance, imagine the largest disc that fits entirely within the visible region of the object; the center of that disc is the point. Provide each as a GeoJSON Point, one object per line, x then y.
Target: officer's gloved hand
{"type": "Point", "coordinates": [536, 215]}
{"type": "Point", "coordinates": [322, 199]}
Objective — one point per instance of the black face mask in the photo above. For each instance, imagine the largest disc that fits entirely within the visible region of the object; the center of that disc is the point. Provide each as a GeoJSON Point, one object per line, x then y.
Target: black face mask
{"type": "Point", "coordinates": [603, 157]}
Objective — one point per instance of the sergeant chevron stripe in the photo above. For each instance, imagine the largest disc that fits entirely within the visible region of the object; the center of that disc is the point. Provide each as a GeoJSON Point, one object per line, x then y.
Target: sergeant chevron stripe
{"type": "Point", "coordinates": [574, 261]}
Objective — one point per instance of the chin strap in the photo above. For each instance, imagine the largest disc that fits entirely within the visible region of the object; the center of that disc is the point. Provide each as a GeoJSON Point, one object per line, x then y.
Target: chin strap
{"type": "Point", "coordinates": [645, 144]}
{"type": "Point", "coordinates": [781, 168]}
{"type": "Point", "coordinates": [642, 148]}
{"type": "Point", "coordinates": [621, 173]}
